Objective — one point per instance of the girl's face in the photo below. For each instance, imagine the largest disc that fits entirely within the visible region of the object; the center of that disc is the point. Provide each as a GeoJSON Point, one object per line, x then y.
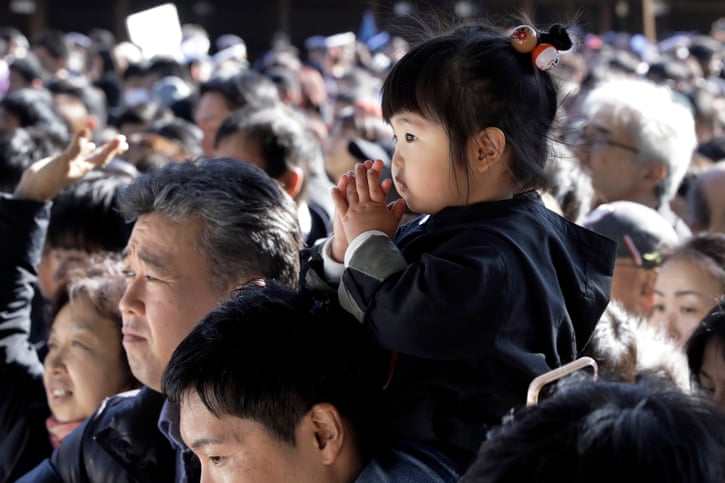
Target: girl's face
{"type": "Point", "coordinates": [421, 165]}
{"type": "Point", "coordinates": [684, 293]}
{"type": "Point", "coordinates": [712, 372]}
{"type": "Point", "coordinates": [85, 361]}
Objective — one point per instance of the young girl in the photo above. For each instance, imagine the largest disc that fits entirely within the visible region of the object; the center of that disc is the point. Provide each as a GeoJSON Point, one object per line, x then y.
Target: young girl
{"type": "Point", "coordinates": [487, 289]}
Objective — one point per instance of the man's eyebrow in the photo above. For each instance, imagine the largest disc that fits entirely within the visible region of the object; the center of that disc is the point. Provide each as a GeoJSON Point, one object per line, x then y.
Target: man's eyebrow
{"type": "Point", "coordinates": [147, 257]}
{"type": "Point", "coordinates": [204, 442]}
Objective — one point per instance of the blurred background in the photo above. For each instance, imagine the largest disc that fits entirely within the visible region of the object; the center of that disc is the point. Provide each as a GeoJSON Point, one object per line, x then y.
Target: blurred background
{"type": "Point", "coordinates": [257, 21]}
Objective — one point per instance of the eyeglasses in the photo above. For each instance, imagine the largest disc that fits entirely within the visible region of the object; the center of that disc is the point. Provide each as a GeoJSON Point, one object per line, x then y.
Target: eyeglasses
{"type": "Point", "coordinates": [599, 139]}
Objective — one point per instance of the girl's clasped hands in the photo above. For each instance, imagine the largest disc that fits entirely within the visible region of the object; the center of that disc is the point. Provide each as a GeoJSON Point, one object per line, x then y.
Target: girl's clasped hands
{"type": "Point", "coordinates": [360, 206]}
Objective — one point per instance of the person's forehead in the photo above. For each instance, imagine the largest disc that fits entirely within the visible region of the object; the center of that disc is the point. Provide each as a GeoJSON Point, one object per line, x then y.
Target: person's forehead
{"type": "Point", "coordinates": [157, 237]}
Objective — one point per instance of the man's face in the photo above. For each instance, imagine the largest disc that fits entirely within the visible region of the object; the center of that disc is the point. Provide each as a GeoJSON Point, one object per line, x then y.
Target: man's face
{"type": "Point", "coordinates": [168, 291]}
{"type": "Point", "coordinates": [633, 286]}
{"type": "Point", "coordinates": [240, 450]}
{"type": "Point", "coordinates": [210, 113]}
{"type": "Point", "coordinates": [608, 153]}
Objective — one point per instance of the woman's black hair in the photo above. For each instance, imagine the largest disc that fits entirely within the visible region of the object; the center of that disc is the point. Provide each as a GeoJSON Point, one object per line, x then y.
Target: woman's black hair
{"type": "Point", "coordinates": [471, 78]}
{"type": "Point", "coordinates": [712, 325]}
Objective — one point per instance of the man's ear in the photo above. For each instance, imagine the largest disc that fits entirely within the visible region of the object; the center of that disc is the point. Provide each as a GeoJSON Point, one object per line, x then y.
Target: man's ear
{"type": "Point", "coordinates": [647, 292]}
{"type": "Point", "coordinates": [487, 148]}
{"type": "Point", "coordinates": [292, 181]}
{"type": "Point", "coordinates": [652, 174]}
{"type": "Point", "coordinates": [329, 431]}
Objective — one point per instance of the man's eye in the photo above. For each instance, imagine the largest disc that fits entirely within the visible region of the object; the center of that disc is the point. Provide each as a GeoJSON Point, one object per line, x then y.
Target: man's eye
{"type": "Point", "coordinates": [216, 460]}
{"type": "Point", "coordinates": [409, 138]}
{"type": "Point", "coordinates": [128, 273]}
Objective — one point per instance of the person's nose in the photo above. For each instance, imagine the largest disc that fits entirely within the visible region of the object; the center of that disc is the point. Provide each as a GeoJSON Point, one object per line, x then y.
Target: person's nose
{"type": "Point", "coordinates": [132, 300]}
{"type": "Point", "coordinates": [55, 360]}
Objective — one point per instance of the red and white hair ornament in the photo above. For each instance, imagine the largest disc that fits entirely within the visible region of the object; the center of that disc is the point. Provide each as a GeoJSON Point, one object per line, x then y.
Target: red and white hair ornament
{"type": "Point", "coordinates": [526, 39]}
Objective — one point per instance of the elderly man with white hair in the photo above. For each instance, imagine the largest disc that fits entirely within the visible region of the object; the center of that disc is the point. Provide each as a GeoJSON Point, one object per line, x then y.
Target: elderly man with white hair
{"type": "Point", "coordinates": [637, 142]}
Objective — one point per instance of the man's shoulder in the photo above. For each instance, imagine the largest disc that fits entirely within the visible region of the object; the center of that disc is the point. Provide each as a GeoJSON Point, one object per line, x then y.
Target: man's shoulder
{"type": "Point", "coordinates": [120, 440]}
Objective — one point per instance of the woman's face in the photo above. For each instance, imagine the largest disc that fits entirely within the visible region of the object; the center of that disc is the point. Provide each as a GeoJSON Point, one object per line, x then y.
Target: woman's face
{"type": "Point", "coordinates": [85, 361]}
{"type": "Point", "coordinates": [684, 293]}
{"type": "Point", "coordinates": [712, 372]}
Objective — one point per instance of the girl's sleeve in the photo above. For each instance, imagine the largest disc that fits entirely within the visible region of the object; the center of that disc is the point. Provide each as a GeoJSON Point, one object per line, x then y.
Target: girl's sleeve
{"type": "Point", "coordinates": [449, 304]}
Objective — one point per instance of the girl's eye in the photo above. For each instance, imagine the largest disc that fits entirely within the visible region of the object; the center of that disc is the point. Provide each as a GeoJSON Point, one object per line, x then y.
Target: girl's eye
{"type": "Point", "coordinates": [409, 138]}
{"type": "Point", "coordinates": [658, 308]}
{"type": "Point", "coordinates": [688, 310]}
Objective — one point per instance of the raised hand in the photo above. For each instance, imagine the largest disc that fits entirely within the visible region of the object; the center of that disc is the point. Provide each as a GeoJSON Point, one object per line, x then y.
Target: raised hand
{"type": "Point", "coordinates": [360, 202]}
{"type": "Point", "coordinates": [44, 179]}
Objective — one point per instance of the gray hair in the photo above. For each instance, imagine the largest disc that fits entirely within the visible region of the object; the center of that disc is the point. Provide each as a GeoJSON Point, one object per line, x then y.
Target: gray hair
{"type": "Point", "coordinates": [662, 127]}
{"type": "Point", "coordinates": [250, 225]}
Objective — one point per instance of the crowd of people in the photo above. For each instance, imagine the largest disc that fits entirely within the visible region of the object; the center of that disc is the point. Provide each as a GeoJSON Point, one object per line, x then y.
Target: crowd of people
{"type": "Point", "coordinates": [347, 261]}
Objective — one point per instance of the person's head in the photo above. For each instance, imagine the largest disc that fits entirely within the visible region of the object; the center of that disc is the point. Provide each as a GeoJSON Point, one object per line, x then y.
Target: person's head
{"type": "Point", "coordinates": [25, 72]}
{"type": "Point", "coordinates": [275, 386]}
{"type": "Point", "coordinates": [52, 50]}
{"type": "Point", "coordinates": [80, 104]}
{"type": "Point", "coordinates": [274, 139]}
{"type": "Point", "coordinates": [350, 124]}
{"type": "Point", "coordinates": [706, 355]}
{"type": "Point", "coordinates": [602, 432]}
{"type": "Point", "coordinates": [219, 96]}
{"type": "Point", "coordinates": [86, 361]}
{"type": "Point", "coordinates": [84, 219]}
{"type": "Point", "coordinates": [30, 107]}
{"type": "Point", "coordinates": [471, 116]}
{"type": "Point", "coordinates": [201, 229]}
{"type": "Point", "coordinates": [637, 141]}
{"type": "Point", "coordinates": [706, 200]}
{"type": "Point", "coordinates": [691, 281]}
{"type": "Point", "coordinates": [642, 235]}
{"type": "Point", "coordinates": [19, 148]}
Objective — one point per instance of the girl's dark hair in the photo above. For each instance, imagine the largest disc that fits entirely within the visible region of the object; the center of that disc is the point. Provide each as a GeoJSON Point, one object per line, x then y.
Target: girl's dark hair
{"type": "Point", "coordinates": [471, 78]}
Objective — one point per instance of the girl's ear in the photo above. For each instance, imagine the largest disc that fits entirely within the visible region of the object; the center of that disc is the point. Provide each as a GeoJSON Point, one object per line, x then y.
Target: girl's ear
{"type": "Point", "coordinates": [488, 148]}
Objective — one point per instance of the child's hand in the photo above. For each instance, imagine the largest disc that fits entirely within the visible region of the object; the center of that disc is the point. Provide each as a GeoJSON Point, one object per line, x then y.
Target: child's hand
{"type": "Point", "coordinates": [339, 241]}
{"type": "Point", "coordinates": [44, 179]}
{"type": "Point", "coordinates": [363, 208]}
